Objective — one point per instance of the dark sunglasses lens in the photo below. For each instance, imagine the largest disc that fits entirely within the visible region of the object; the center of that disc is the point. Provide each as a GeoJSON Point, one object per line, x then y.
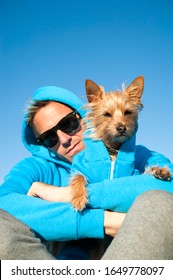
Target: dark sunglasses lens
{"type": "Point", "coordinates": [69, 124]}
{"type": "Point", "coordinates": [49, 140]}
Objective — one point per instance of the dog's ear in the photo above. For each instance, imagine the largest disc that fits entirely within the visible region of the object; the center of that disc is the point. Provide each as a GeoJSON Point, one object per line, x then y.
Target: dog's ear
{"type": "Point", "coordinates": [135, 90]}
{"type": "Point", "coordinates": [93, 91]}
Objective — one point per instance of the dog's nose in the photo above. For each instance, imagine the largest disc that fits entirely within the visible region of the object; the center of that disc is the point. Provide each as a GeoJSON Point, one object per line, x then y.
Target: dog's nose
{"type": "Point", "coordinates": [121, 128]}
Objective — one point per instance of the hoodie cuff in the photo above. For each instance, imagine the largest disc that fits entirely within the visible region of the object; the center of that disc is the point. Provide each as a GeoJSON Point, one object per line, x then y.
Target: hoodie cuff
{"type": "Point", "coordinates": [95, 195]}
{"type": "Point", "coordinates": [90, 224]}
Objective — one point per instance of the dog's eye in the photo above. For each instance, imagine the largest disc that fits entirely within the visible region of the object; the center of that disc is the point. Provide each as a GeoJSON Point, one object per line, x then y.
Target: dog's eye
{"type": "Point", "coordinates": [127, 112]}
{"type": "Point", "coordinates": [107, 115]}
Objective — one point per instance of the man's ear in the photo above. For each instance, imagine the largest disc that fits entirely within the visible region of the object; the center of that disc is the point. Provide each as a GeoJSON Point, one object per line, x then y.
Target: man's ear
{"type": "Point", "coordinates": [93, 91]}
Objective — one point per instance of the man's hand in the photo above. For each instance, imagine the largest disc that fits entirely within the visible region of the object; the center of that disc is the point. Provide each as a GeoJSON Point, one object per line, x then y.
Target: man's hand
{"type": "Point", "coordinates": [113, 222]}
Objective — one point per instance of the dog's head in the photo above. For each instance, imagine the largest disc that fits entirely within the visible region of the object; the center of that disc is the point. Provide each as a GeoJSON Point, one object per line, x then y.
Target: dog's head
{"type": "Point", "coordinates": [113, 116]}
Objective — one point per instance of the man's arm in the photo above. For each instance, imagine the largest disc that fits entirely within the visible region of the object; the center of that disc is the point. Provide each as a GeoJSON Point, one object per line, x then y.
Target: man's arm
{"type": "Point", "coordinates": [51, 220]}
{"type": "Point", "coordinates": [50, 192]}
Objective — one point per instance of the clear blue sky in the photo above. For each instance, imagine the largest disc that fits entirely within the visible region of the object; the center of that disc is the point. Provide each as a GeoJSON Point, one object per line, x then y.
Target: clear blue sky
{"type": "Point", "coordinates": [65, 42]}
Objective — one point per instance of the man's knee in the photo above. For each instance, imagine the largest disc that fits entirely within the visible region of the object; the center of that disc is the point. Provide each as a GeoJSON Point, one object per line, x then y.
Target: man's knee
{"type": "Point", "coordinates": [19, 242]}
{"type": "Point", "coordinates": [154, 208]}
{"type": "Point", "coordinates": [13, 234]}
{"type": "Point", "coordinates": [10, 226]}
{"type": "Point", "coordinates": [156, 199]}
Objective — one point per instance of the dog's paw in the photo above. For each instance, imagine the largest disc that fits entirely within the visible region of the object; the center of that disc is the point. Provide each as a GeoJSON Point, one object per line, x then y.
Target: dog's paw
{"type": "Point", "coordinates": [79, 192]}
{"type": "Point", "coordinates": [162, 173]}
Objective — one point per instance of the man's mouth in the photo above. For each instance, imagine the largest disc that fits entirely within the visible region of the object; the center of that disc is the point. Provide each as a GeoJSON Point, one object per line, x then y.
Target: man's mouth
{"type": "Point", "coordinates": [72, 149]}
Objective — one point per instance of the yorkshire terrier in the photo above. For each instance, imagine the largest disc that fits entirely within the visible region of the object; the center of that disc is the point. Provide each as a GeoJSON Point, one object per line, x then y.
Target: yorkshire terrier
{"type": "Point", "coordinates": [112, 117]}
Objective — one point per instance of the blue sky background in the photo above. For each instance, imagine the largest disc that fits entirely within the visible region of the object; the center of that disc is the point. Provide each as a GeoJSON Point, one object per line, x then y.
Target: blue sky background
{"type": "Point", "coordinates": [65, 42]}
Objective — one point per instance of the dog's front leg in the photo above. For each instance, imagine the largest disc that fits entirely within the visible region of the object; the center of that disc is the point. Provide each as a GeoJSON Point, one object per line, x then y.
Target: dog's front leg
{"type": "Point", "coordinates": [79, 192]}
{"type": "Point", "coordinates": [162, 173]}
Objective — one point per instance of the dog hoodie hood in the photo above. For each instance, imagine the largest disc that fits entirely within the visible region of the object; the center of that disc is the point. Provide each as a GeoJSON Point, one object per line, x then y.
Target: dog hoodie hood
{"type": "Point", "coordinates": [55, 94]}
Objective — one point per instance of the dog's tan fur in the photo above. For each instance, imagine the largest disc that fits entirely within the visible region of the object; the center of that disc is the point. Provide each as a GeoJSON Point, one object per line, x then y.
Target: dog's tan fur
{"type": "Point", "coordinates": [78, 183]}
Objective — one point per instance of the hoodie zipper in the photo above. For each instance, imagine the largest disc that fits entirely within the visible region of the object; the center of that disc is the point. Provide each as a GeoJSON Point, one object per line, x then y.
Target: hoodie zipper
{"type": "Point", "coordinates": [112, 169]}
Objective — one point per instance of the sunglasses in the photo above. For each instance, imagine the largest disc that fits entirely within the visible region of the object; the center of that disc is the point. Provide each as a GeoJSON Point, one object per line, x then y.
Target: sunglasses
{"type": "Point", "coordinates": [69, 124]}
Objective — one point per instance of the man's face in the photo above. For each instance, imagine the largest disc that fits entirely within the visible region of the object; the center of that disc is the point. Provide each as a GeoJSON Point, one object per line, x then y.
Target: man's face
{"type": "Point", "coordinates": [68, 144]}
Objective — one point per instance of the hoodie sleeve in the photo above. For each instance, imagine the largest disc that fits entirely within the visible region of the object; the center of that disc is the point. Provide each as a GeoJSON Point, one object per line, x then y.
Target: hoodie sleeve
{"type": "Point", "coordinates": [118, 194]}
{"type": "Point", "coordinates": [46, 218]}
{"type": "Point", "coordinates": [145, 157]}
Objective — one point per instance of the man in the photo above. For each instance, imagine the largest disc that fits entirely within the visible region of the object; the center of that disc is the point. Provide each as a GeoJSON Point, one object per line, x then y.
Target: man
{"type": "Point", "coordinates": [53, 135]}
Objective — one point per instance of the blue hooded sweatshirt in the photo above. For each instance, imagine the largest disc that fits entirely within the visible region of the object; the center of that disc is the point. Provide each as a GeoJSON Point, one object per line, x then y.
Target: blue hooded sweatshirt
{"type": "Point", "coordinates": [111, 186]}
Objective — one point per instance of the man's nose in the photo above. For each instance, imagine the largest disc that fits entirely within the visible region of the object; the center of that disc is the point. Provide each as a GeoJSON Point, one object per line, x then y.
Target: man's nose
{"type": "Point", "coordinates": [64, 138]}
